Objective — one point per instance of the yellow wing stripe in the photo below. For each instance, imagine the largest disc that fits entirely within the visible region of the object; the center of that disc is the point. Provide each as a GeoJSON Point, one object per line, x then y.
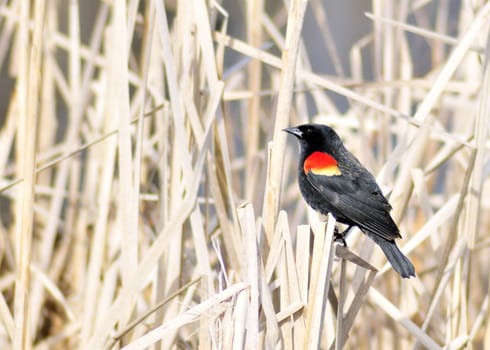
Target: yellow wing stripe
{"type": "Point", "coordinates": [327, 171]}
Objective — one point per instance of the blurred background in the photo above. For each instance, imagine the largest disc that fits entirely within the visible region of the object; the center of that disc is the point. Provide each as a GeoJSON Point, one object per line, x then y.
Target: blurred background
{"type": "Point", "coordinates": [148, 198]}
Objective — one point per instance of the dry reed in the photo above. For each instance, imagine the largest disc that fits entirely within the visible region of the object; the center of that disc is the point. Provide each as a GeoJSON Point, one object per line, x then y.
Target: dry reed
{"type": "Point", "coordinates": [149, 197]}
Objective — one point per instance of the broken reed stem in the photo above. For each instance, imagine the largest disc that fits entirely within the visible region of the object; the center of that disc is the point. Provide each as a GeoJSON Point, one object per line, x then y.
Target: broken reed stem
{"type": "Point", "coordinates": [289, 57]}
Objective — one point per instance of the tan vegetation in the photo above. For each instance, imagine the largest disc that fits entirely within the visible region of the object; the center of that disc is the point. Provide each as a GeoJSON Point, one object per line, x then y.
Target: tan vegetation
{"type": "Point", "coordinates": [149, 197]}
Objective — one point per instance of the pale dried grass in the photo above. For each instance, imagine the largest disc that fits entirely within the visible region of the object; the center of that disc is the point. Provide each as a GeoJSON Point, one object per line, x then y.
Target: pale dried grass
{"type": "Point", "coordinates": [143, 183]}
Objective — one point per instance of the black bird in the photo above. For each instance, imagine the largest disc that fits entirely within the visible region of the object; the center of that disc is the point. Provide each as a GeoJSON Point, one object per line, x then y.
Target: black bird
{"type": "Point", "coordinates": [333, 181]}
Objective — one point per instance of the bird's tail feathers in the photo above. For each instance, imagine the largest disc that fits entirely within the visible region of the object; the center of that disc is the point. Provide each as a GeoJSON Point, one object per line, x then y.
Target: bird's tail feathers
{"type": "Point", "coordinates": [400, 262]}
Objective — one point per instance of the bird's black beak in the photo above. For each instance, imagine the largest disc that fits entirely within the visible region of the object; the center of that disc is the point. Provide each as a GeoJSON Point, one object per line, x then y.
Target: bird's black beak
{"type": "Point", "coordinates": [294, 131]}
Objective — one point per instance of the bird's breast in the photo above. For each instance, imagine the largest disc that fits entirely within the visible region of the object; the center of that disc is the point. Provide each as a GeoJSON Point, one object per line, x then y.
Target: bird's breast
{"type": "Point", "coordinates": [321, 163]}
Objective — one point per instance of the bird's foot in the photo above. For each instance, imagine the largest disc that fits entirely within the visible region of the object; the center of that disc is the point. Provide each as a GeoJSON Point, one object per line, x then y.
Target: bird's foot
{"type": "Point", "coordinates": [338, 237]}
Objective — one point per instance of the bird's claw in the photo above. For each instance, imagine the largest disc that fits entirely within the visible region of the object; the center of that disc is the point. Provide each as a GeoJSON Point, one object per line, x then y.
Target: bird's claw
{"type": "Point", "coordinates": [338, 237]}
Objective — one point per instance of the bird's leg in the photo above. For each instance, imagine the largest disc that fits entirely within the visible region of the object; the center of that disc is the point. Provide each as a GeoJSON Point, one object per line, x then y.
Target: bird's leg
{"type": "Point", "coordinates": [339, 237]}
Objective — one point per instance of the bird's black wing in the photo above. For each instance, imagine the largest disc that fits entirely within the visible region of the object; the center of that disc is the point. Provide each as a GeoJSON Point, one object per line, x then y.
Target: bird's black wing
{"type": "Point", "coordinates": [358, 199]}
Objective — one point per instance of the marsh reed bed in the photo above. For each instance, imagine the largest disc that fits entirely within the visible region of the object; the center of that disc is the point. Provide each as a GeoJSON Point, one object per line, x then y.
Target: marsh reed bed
{"type": "Point", "coordinates": [149, 198]}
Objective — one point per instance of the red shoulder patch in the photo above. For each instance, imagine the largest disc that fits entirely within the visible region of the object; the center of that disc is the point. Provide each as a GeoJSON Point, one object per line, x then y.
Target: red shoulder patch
{"type": "Point", "coordinates": [321, 163]}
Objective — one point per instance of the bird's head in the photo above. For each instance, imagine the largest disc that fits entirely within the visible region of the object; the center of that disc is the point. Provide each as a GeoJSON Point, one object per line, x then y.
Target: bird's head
{"type": "Point", "coordinates": [315, 137]}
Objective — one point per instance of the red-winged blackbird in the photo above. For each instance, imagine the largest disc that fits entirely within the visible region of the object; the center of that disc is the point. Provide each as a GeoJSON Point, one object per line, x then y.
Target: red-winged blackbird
{"type": "Point", "coordinates": [333, 181]}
